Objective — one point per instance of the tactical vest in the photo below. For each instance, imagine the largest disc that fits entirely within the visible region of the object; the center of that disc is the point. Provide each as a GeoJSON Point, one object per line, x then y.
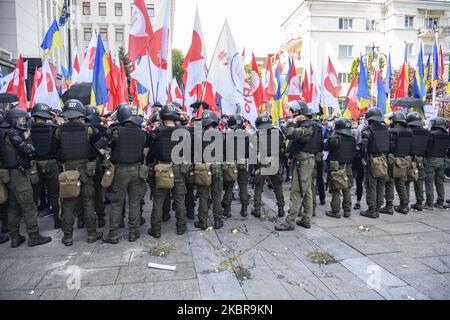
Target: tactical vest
{"type": "Point", "coordinates": [379, 141]}
{"type": "Point", "coordinates": [75, 144]}
{"type": "Point", "coordinates": [8, 154]}
{"type": "Point", "coordinates": [42, 137]}
{"type": "Point", "coordinates": [233, 141]}
{"type": "Point", "coordinates": [165, 145]}
{"type": "Point", "coordinates": [421, 139]}
{"type": "Point", "coordinates": [214, 154]}
{"type": "Point", "coordinates": [346, 151]}
{"type": "Point", "coordinates": [129, 149]}
{"type": "Point", "coordinates": [439, 144]}
{"type": "Point", "coordinates": [314, 145]}
{"type": "Point", "coordinates": [401, 141]}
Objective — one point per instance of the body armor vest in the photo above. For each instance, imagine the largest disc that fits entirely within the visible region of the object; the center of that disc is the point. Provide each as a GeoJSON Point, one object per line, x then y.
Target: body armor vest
{"type": "Point", "coordinates": [379, 141]}
{"type": "Point", "coordinates": [346, 150]}
{"type": "Point", "coordinates": [42, 137]}
{"type": "Point", "coordinates": [439, 143]}
{"type": "Point", "coordinates": [421, 139]}
{"type": "Point", "coordinates": [401, 141]}
{"type": "Point", "coordinates": [75, 144]}
{"type": "Point", "coordinates": [129, 149]}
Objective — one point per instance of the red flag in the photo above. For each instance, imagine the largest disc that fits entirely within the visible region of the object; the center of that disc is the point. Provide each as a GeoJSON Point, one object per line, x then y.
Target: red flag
{"type": "Point", "coordinates": [352, 100]}
{"type": "Point", "coordinates": [17, 86]}
{"type": "Point", "coordinates": [402, 86]}
{"type": "Point", "coordinates": [257, 86]}
{"type": "Point", "coordinates": [269, 84]}
{"type": "Point", "coordinates": [124, 82]}
{"type": "Point", "coordinates": [332, 83]}
{"type": "Point", "coordinates": [306, 90]}
{"type": "Point", "coordinates": [140, 31]}
{"type": "Point", "coordinates": [36, 82]}
{"type": "Point", "coordinates": [441, 63]}
{"type": "Point", "coordinates": [210, 98]}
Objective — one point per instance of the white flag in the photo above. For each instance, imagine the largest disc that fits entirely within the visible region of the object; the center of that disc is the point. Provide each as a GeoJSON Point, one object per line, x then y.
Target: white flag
{"type": "Point", "coordinates": [87, 68]}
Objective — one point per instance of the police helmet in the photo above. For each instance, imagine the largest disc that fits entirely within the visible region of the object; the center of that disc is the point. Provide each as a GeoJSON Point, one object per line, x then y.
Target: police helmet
{"type": "Point", "coordinates": [236, 121]}
{"type": "Point", "coordinates": [210, 118]}
{"type": "Point", "coordinates": [127, 113]}
{"type": "Point", "coordinates": [374, 114]}
{"type": "Point", "coordinates": [343, 126]}
{"type": "Point", "coordinates": [92, 114]}
{"type": "Point", "coordinates": [399, 117]}
{"type": "Point", "coordinates": [41, 110]}
{"type": "Point", "coordinates": [299, 108]}
{"type": "Point", "coordinates": [414, 119]}
{"type": "Point", "coordinates": [263, 122]}
{"type": "Point", "coordinates": [438, 123]}
{"type": "Point", "coordinates": [169, 112]}
{"type": "Point", "coordinates": [73, 109]}
{"type": "Point", "coordinates": [18, 119]}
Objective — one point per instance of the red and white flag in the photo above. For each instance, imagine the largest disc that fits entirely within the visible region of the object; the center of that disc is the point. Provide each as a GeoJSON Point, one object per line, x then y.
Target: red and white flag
{"type": "Point", "coordinates": [175, 94]}
{"type": "Point", "coordinates": [195, 65]}
{"type": "Point", "coordinates": [295, 87]}
{"type": "Point", "coordinates": [87, 67]}
{"type": "Point", "coordinates": [268, 82]}
{"type": "Point", "coordinates": [46, 91]}
{"type": "Point", "coordinates": [315, 88]}
{"type": "Point", "coordinates": [331, 87]}
{"type": "Point", "coordinates": [17, 84]}
{"type": "Point", "coordinates": [257, 86]}
{"type": "Point", "coordinates": [141, 30]}
{"type": "Point", "coordinates": [75, 67]}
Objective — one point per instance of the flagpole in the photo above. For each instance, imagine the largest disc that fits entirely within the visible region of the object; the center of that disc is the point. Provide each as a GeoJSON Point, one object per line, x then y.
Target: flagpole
{"type": "Point", "coordinates": [69, 35]}
{"type": "Point", "coordinates": [151, 77]}
{"type": "Point", "coordinates": [434, 71]}
{"type": "Point", "coordinates": [210, 63]}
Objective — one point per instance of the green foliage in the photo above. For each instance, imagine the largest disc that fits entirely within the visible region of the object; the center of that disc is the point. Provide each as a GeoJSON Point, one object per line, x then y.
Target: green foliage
{"type": "Point", "coordinates": [177, 64]}
{"type": "Point", "coordinates": [123, 56]}
{"type": "Point", "coordinates": [248, 71]}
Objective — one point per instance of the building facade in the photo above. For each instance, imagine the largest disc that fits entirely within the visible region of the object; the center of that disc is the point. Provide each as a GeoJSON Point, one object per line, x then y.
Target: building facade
{"type": "Point", "coordinates": [344, 29]}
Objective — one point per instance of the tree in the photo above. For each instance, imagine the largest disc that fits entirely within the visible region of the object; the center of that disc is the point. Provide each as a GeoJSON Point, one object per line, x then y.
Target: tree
{"type": "Point", "coordinates": [355, 68]}
{"type": "Point", "coordinates": [248, 71]}
{"type": "Point", "coordinates": [123, 56]}
{"type": "Point", "coordinates": [177, 65]}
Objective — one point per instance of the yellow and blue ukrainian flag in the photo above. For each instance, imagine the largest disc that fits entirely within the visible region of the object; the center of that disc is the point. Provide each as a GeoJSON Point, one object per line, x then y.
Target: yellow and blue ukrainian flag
{"type": "Point", "coordinates": [100, 95]}
{"type": "Point", "coordinates": [52, 39]}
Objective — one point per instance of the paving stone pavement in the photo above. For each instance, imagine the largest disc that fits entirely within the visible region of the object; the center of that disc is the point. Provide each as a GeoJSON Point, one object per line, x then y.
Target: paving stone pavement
{"type": "Point", "coordinates": [399, 257]}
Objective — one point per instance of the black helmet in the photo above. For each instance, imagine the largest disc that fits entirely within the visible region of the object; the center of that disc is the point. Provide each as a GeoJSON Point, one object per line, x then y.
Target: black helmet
{"type": "Point", "coordinates": [236, 121]}
{"type": "Point", "coordinates": [92, 114]}
{"type": "Point", "coordinates": [374, 114]}
{"type": "Point", "coordinates": [343, 126]}
{"type": "Point", "coordinates": [210, 118]}
{"type": "Point", "coordinates": [18, 119]}
{"type": "Point", "coordinates": [263, 122]}
{"type": "Point", "coordinates": [414, 119]}
{"type": "Point", "coordinates": [73, 109]}
{"type": "Point", "coordinates": [438, 123]}
{"type": "Point", "coordinates": [299, 108]}
{"type": "Point", "coordinates": [169, 112]}
{"type": "Point", "coordinates": [41, 110]}
{"type": "Point", "coordinates": [127, 113]}
{"type": "Point", "coordinates": [157, 105]}
{"type": "Point", "coordinates": [399, 117]}
{"type": "Point", "coordinates": [196, 105]}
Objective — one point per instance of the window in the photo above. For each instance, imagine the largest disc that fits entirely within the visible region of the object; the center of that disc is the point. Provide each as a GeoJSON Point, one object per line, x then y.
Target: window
{"type": "Point", "coordinates": [102, 9]}
{"type": "Point", "coordinates": [371, 25]}
{"type": "Point", "coordinates": [119, 34]}
{"type": "Point", "coordinates": [409, 21]}
{"type": "Point", "coordinates": [345, 24]}
{"type": "Point", "coordinates": [151, 10]}
{"type": "Point", "coordinates": [369, 49]}
{"type": "Point", "coordinates": [345, 51]}
{"type": "Point", "coordinates": [86, 8]}
{"type": "Point", "coordinates": [344, 77]}
{"type": "Point", "coordinates": [118, 9]}
{"type": "Point", "coordinates": [431, 23]}
{"type": "Point", "coordinates": [409, 49]}
{"type": "Point", "coordinates": [104, 34]}
{"type": "Point", "coordinates": [87, 33]}
{"type": "Point", "coordinates": [427, 49]}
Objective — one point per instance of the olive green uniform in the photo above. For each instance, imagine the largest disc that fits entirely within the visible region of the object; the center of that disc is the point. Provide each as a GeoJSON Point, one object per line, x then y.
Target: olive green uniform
{"type": "Point", "coordinates": [398, 183]}
{"type": "Point", "coordinates": [48, 171]}
{"type": "Point", "coordinates": [216, 196]}
{"type": "Point", "coordinates": [434, 169]}
{"type": "Point", "coordinates": [242, 181]}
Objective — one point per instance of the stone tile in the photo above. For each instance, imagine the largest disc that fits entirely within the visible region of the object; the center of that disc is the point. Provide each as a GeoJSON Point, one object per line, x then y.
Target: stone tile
{"type": "Point", "coordinates": [441, 223]}
{"type": "Point", "coordinates": [372, 245]}
{"type": "Point", "coordinates": [174, 257]}
{"type": "Point", "coordinates": [440, 264]}
{"type": "Point", "coordinates": [359, 295]}
{"type": "Point", "coordinates": [138, 274]}
{"type": "Point", "coordinates": [5, 264]}
{"type": "Point", "coordinates": [103, 260]}
{"type": "Point", "coordinates": [336, 248]}
{"type": "Point", "coordinates": [405, 228]}
{"type": "Point", "coordinates": [435, 286]}
{"type": "Point", "coordinates": [402, 293]}
{"type": "Point", "coordinates": [169, 290]}
{"type": "Point", "coordinates": [342, 282]}
{"type": "Point", "coordinates": [353, 231]}
{"type": "Point", "coordinates": [18, 281]}
{"type": "Point", "coordinates": [20, 295]}
{"type": "Point", "coordinates": [401, 265]}
{"type": "Point", "coordinates": [263, 285]}
{"type": "Point", "coordinates": [112, 292]}
{"type": "Point", "coordinates": [89, 277]}
{"type": "Point", "coordinates": [58, 294]}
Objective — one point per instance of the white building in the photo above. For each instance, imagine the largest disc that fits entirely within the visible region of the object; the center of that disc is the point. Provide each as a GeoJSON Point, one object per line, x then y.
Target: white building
{"type": "Point", "coordinates": [344, 29]}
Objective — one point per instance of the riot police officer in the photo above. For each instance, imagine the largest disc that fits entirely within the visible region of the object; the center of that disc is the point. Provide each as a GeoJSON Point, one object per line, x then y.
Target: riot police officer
{"type": "Point", "coordinates": [306, 140]}
{"type": "Point", "coordinates": [43, 137]}
{"type": "Point", "coordinates": [421, 138]}
{"type": "Point", "coordinates": [127, 142]}
{"type": "Point", "coordinates": [435, 163]}
{"type": "Point", "coordinates": [236, 131]}
{"type": "Point", "coordinates": [162, 147]}
{"type": "Point", "coordinates": [342, 148]}
{"type": "Point", "coordinates": [77, 144]}
{"type": "Point", "coordinates": [16, 150]}
{"type": "Point", "coordinates": [374, 147]}
{"type": "Point", "coordinates": [93, 118]}
{"type": "Point", "coordinates": [210, 121]}
{"type": "Point", "coordinates": [399, 156]}
{"type": "Point", "coordinates": [4, 206]}
{"type": "Point", "coordinates": [267, 157]}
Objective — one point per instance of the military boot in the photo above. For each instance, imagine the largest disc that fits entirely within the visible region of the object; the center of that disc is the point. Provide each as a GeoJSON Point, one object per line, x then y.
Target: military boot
{"type": "Point", "coordinates": [256, 213]}
{"type": "Point", "coordinates": [218, 224]}
{"type": "Point", "coordinates": [333, 214]}
{"type": "Point", "coordinates": [347, 214]}
{"type": "Point", "coordinates": [388, 209]}
{"type": "Point", "coordinates": [428, 206]}
{"type": "Point", "coordinates": [17, 240]}
{"type": "Point", "coordinates": [439, 206]}
{"type": "Point", "coordinates": [281, 212]}
{"type": "Point", "coordinates": [244, 211]}
{"type": "Point", "coordinates": [283, 227]}
{"type": "Point", "coordinates": [154, 233]}
{"type": "Point", "coordinates": [370, 213]}
{"type": "Point", "coordinates": [67, 240]}
{"type": "Point", "coordinates": [3, 238]}
{"type": "Point", "coordinates": [302, 224]}
{"type": "Point", "coordinates": [201, 225]}
{"type": "Point", "coordinates": [36, 239]}
{"type": "Point", "coordinates": [417, 207]}
{"type": "Point", "coordinates": [401, 209]}
{"type": "Point", "coordinates": [111, 238]}
{"type": "Point", "coordinates": [181, 230]}
{"type": "Point", "coordinates": [94, 236]}
{"type": "Point", "coordinates": [227, 214]}
{"type": "Point", "coordinates": [133, 237]}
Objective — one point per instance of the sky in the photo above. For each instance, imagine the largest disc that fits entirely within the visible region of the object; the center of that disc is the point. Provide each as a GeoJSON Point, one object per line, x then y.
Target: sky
{"type": "Point", "coordinates": [255, 24]}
